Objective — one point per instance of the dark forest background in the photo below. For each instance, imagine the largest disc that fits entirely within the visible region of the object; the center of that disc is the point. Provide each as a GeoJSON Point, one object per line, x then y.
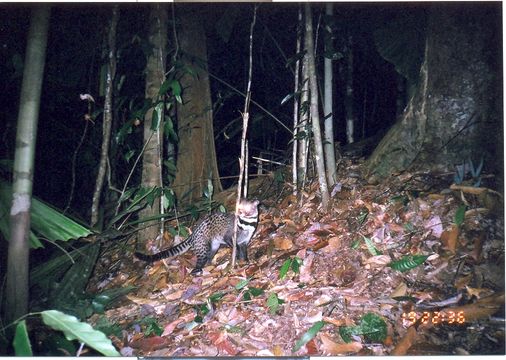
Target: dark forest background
{"type": "Point", "coordinates": [76, 54]}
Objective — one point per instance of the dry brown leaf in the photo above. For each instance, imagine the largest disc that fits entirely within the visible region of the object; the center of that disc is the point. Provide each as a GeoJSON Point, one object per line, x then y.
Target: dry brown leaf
{"type": "Point", "coordinates": [313, 316]}
{"type": "Point", "coordinates": [305, 269]}
{"type": "Point", "coordinates": [215, 336]}
{"type": "Point", "coordinates": [396, 227]}
{"type": "Point", "coordinates": [378, 260]}
{"type": "Point", "coordinates": [334, 244]}
{"type": "Point", "coordinates": [389, 341]}
{"type": "Point", "coordinates": [222, 281]}
{"type": "Point", "coordinates": [301, 254]}
{"type": "Point", "coordinates": [436, 196]}
{"type": "Point", "coordinates": [400, 290]}
{"type": "Point", "coordinates": [323, 299]}
{"type": "Point", "coordinates": [423, 295]}
{"type": "Point", "coordinates": [492, 200]}
{"type": "Point", "coordinates": [277, 350]}
{"type": "Point", "coordinates": [168, 329]}
{"type": "Point", "coordinates": [468, 189]}
{"type": "Point", "coordinates": [298, 295]}
{"type": "Point", "coordinates": [435, 225]}
{"type": "Point", "coordinates": [333, 321]}
{"type": "Point", "coordinates": [252, 270]}
{"type": "Point", "coordinates": [449, 238]}
{"type": "Point", "coordinates": [290, 226]}
{"type": "Point", "coordinates": [290, 223]}
{"type": "Point", "coordinates": [304, 193]}
{"type": "Point", "coordinates": [312, 195]}
{"type": "Point", "coordinates": [130, 281]}
{"type": "Point", "coordinates": [161, 283]}
{"type": "Point", "coordinates": [311, 347]}
{"type": "Point", "coordinates": [136, 337]}
{"type": "Point", "coordinates": [222, 343]}
{"type": "Point", "coordinates": [319, 245]}
{"type": "Point", "coordinates": [463, 281]}
{"type": "Point", "coordinates": [142, 301]}
{"type": "Point", "coordinates": [156, 268]}
{"type": "Point", "coordinates": [264, 217]}
{"type": "Point", "coordinates": [173, 295]}
{"type": "Point", "coordinates": [227, 347]}
{"type": "Point", "coordinates": [168, 239]}
{"type": "Point", "coordinates": [330, 347]}
{"type": "Point", "coordinates": [287, 200]}
{"type": "Point", "coordinates": [477, 248]}
{"type": "Point", "coordinates": [478, 292]}
{"type": "Point", "coordinates": [150, 344]}
{"type": "Point", "coordinates": [334, 227]}
{"type": "Point", "coordinates": [406, 342]}
{"type": "Point", "coordinates": [283, 243]}
{"type": "Point", "coordinates": [203, 349]}
{"type": "Point", "coordinates": [321, 232]}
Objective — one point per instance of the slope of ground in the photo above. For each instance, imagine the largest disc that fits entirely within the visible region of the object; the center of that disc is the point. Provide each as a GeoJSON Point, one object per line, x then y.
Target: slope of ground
{"type": "Point", "coordinates": [414, 265]}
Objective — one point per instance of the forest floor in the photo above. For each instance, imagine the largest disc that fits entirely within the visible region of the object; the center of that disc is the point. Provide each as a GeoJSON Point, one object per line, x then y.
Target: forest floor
{"type": "Point", "coordinates": [396, 268]}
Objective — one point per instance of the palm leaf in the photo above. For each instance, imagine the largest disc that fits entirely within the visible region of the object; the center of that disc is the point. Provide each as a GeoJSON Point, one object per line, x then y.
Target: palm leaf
{"type": "Point", "coordinates": [76, 330]}
{"type": "Point", "coordinates": [46, 222]}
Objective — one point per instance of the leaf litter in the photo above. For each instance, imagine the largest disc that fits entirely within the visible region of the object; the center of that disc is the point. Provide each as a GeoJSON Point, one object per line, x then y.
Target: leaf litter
{"type": "Point", "coordinates": [403, 258]}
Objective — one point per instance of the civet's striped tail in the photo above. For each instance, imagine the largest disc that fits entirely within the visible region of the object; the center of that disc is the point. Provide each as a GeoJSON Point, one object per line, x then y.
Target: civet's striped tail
{"type": "Point", "coordinates": [180, 248]}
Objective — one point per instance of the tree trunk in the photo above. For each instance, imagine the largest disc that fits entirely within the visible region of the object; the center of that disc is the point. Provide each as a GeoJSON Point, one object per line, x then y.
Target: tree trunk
{"type": "Point", "coordinates": [108, 110]}
{"type": "Point", "coordinates": [296, 105]}
{"type": "Point", "coordinates": [315, 116]}
{"type": "Point", "coordinates": [304, 125]}
{"type": "Point", "coordinates": [348, 102]}
{"type": "Point", "coordinates": [455, 113]}
{"type": "Point", "coordinates": [330, 157]}
{"type": "Point", "coordinates": [196, 157]}
{"type": "Point", "coordinates": [16, 302]}
{"type": "Point", "coordinates": [152, 156]}
{"type": "Point", "coordinates": [400, 101]}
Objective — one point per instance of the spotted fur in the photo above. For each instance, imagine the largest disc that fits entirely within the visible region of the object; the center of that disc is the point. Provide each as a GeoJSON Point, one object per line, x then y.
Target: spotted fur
{"type": "Point", "coordinates": [214, 230]}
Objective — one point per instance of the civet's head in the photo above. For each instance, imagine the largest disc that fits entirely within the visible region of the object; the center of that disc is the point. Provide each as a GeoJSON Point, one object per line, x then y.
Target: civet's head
{"type": "Point", "coordinates": [248, 208]}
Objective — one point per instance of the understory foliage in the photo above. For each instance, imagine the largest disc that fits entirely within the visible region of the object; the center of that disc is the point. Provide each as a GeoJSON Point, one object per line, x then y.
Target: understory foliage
{"type": "Point", "coordinates": [307, 288]}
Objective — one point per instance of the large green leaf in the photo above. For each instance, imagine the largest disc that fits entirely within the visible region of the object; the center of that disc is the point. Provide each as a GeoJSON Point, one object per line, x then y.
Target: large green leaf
{"type": "Point", "coordinates": [21, 342]}
{"type": "Point", "coordinates": [46, 222]}
{"type": "Point", "coordinates": [284, 268]}
{"type": "Point", "coordinates": [101, 301]}
{"type": "Point", "coordinates": [273, 303]}
{"type": "Point", "coordinates": [460, 215]}
{"type": "Point", "coordinates": [141, 196]}
{"type": "Point", "coordinates": [408, 262]}
{"type": "Point", "coordinates": [371, 326]}
{"type": "Point", "coordinates": [70, 292]}
{"type": "Point", "coordinates": [76, 330]}
{"type": "Point", "coordinates": [53, 225]}
{"type": "Point", "coordinates": [53, 270]}
{"type": "Point", "coordinates": [311, 333]}
{"type": "Point", "coordinates": [370, 246]}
